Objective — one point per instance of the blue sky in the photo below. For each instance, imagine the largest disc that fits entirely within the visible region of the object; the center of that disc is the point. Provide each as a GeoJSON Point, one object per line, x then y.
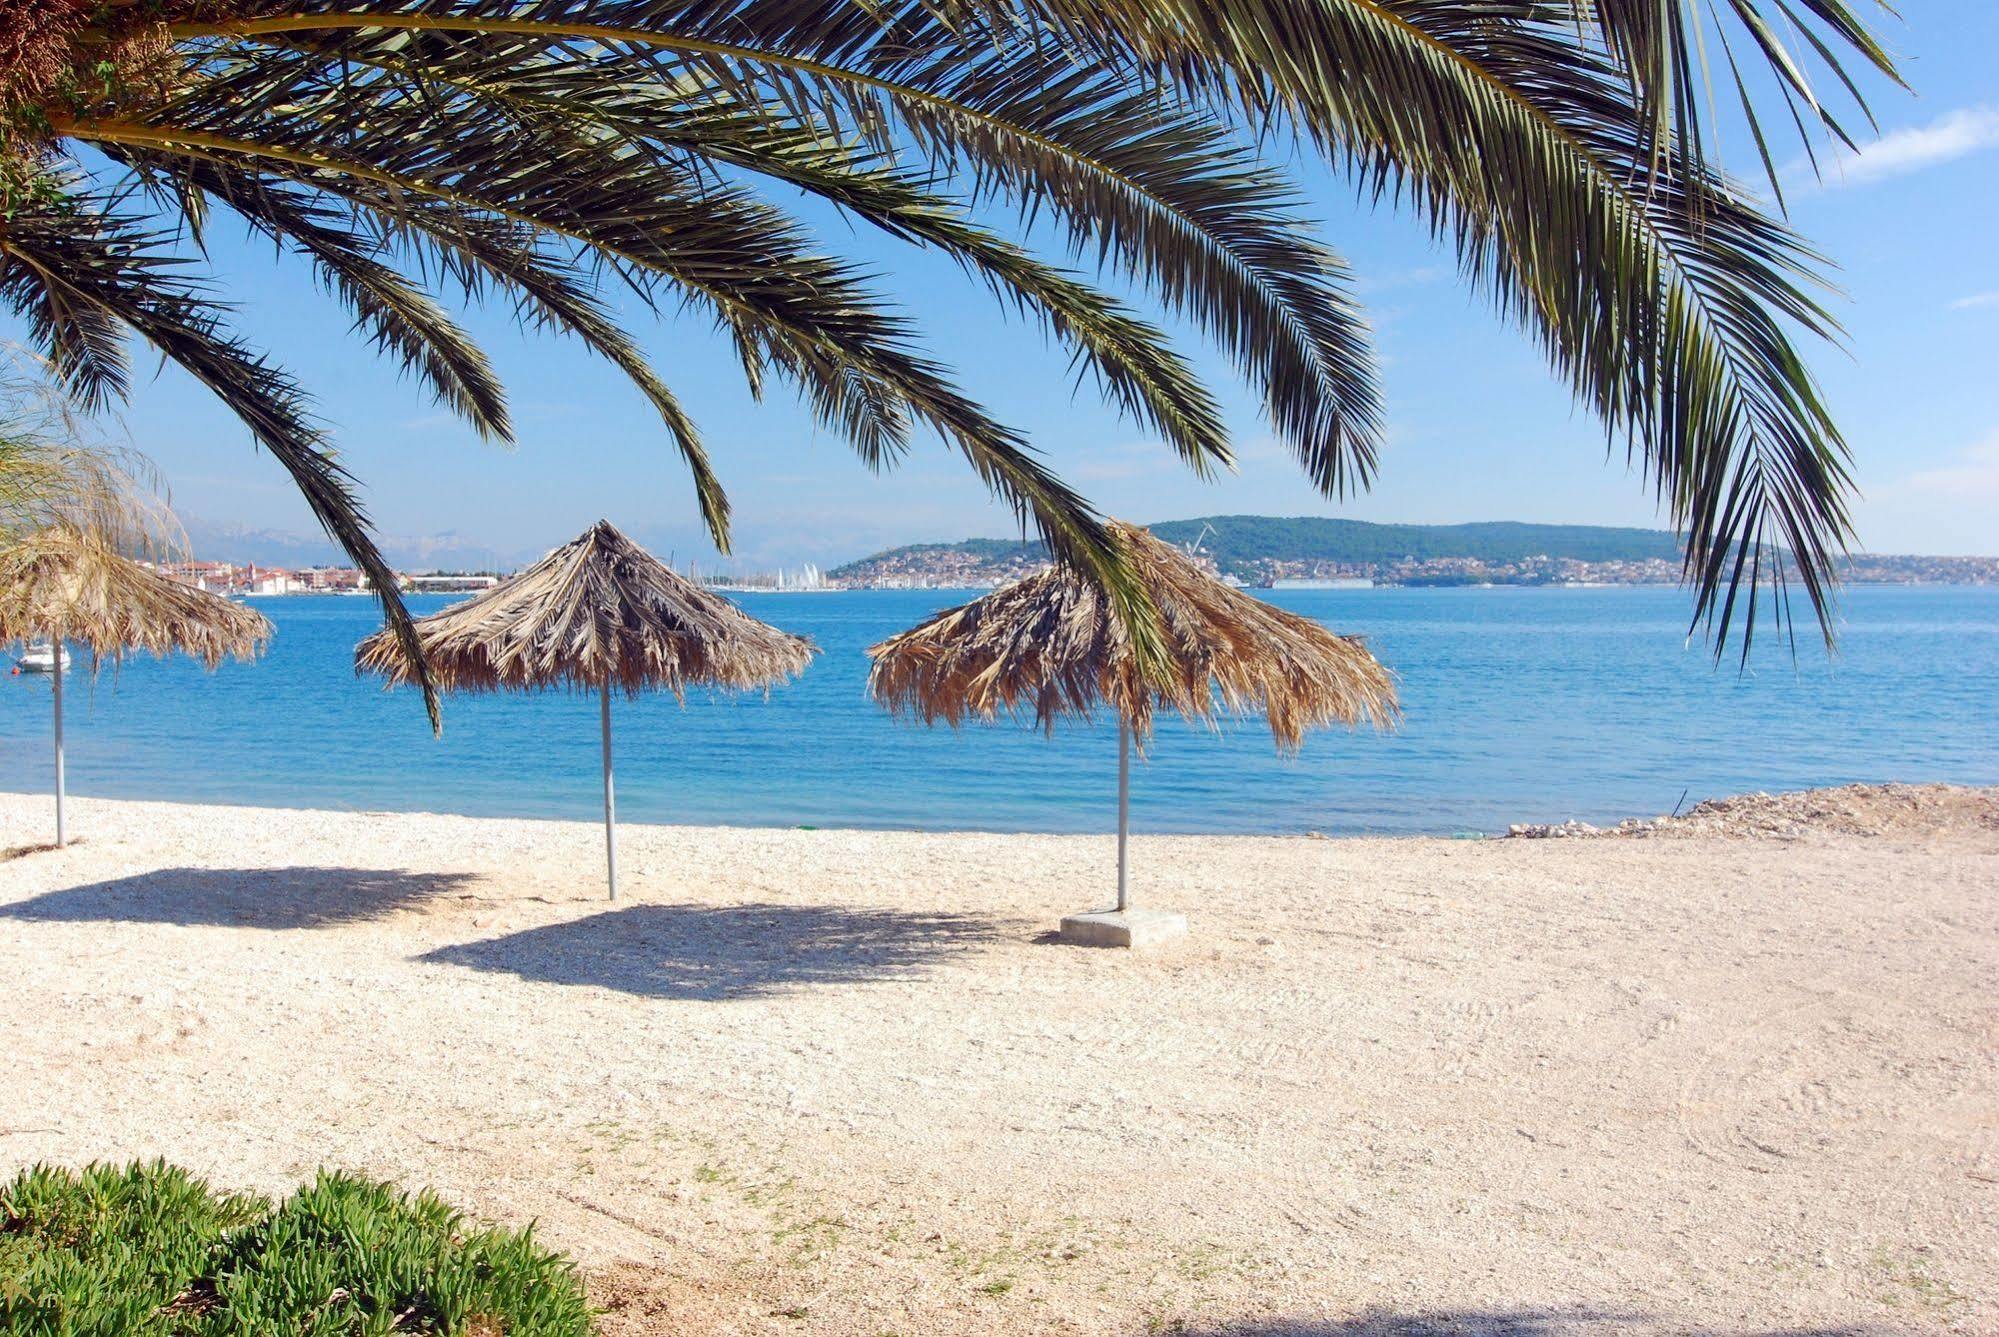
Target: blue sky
{"type": "Point", "coordinates": [1478, 427]}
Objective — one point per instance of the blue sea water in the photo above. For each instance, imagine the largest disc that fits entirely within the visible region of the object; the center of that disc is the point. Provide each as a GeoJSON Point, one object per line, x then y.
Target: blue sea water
{"type": "Point", "coordinates": [1522, 705]}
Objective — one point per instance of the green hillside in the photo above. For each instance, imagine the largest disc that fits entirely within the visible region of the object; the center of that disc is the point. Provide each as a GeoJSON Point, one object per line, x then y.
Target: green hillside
{"type": "Point", "coordinates": [1242, 538]}
{"type": "Point", "coordinates": [1236, 540]}
{"type": "Point", "coordinates": [985, 550]}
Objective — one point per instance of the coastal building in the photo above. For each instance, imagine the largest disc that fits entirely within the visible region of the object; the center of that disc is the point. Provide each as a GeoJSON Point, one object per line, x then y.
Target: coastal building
{"type": "Point", "coordinates": [332, 580]}
{"type": "Point", "coordinates": [268, 582]}
{"type": "Point", "coordinates": [214, 577]}
{"type": "Point", "coordinates": [264, 581]}
{"type": "Point", "coordinates": [448, 582]}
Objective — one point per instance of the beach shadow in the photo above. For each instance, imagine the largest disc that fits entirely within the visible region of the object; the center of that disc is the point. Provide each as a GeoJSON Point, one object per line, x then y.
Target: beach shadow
{"type": "Point", "coordinates": [717, 952]}
{"type": "Point", "coordinates": [267, 898]}
{"type": "Point", "coordinates": [1503, 1323]}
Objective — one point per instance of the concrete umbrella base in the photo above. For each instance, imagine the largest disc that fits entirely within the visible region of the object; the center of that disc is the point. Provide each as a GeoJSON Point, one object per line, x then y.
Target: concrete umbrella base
{"type": "Point", "coordinates": [1123, 928]}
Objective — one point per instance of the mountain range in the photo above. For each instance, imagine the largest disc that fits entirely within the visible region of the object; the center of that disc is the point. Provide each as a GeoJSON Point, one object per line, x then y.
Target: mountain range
{"type": "Point", "coordinates": [242, 544]}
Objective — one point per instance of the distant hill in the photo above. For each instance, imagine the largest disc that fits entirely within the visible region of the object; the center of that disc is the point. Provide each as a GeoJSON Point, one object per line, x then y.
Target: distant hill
{"type": "Point", "coordinates": [974, 551]}
{"type": "Point", "coordinates": [1248, 538]}
{"type": "Point", "coordinates": [1241, 544]}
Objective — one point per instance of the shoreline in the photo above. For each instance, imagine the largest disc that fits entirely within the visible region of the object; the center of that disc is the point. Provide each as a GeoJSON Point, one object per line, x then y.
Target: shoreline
{"type": "Point", "coordinates": [1708, 1083]}
{"type": "Point", "coordinates": [1282, 586]}
{"type": "Point", "coordinates": [1760, 807]}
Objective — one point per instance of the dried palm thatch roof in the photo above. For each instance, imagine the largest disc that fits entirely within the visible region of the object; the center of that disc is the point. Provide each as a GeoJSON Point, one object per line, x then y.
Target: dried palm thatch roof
{"type": "Point", "coordinates": [64, 581]}
{"type": "Point", "coordinates": [598, 611]}
{"type": "Point", "coordinates": [1052, 645]}
{"type": "Point", "coordinates": [59, 467]}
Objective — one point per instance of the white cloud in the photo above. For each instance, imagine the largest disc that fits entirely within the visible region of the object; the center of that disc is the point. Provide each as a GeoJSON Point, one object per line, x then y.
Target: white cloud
{"type": "Point", "coordinates": [1954, 135]}
{"type": "Point", "coordinates": [1945, 508]}
{"type": "Point", "coordinates": [1976, 299]}
{"type": "Point", "coordinates": [1973, 474]}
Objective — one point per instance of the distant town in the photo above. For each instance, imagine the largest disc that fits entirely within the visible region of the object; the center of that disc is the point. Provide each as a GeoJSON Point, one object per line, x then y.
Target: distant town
{"type": "Point", "coordinates": [1252, 551]}
{"type": "Point", "coordinates": [946, 569]}
{"type": "Point", "coordinates": [252, 580]}
{"type": "Point", "coordinates": [249, 580]}
{"type": "Point", "coordinates": [1267, 552]}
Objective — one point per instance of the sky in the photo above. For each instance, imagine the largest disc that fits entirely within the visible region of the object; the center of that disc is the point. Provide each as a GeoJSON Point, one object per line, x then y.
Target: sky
{"type": "Point", "coordinates": [1478, 427]}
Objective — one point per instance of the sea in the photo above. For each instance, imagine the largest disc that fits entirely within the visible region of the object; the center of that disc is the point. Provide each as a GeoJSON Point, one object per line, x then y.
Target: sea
{"type": "Point", "coordinates": [1522, 705]}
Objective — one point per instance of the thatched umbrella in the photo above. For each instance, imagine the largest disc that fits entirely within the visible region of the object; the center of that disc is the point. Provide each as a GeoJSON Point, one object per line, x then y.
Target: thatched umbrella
{"type": "Point", "coordinates": [597, 613]}
{"type": "Point", "coordinates": [1052, 645]}
{"type": "Point", "coordinates": [62, 584]}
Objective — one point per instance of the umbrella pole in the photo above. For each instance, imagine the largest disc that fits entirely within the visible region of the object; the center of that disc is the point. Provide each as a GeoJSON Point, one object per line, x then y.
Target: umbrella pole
{"type": "Point", "coordinates": [62, 834]}
{"type": "Point", "coordinates": [610, 796]}
{"type": "Point", "coordinates": [1123, 809]}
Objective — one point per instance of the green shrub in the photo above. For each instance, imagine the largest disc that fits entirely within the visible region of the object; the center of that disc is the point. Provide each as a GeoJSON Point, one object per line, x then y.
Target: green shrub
{"type": "Point", "coordinates": [105, 1252]}
{"type": "Point", "coordinates": [149, 1250]}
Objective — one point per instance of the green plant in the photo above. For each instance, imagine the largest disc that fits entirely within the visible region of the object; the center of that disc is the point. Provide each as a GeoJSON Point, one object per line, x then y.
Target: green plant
{"type": "Point", "coordinates": [107, 1251]}
{"type": "Point", "coordinates": [553, 153]}
{"type": "Point", "coordinates": [150, 1250]}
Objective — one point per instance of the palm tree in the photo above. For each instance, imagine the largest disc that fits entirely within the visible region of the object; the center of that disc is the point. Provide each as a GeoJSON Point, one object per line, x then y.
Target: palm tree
{"type": "Point", "coordinates": [550, 150]}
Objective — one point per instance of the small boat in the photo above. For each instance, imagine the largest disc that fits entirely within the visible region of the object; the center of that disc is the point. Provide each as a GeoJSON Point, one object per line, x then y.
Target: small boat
{"type": "Point", "coordinates": [40, 657]}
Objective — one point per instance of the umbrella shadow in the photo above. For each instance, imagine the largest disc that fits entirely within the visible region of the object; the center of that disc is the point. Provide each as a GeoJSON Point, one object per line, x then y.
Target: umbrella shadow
{"type": "Point", "coordinates": [266, 898]}
{"type": "Point", "coordinates": [1502, 1323]}
{"type": "Point", "coordinates": [718, 952]}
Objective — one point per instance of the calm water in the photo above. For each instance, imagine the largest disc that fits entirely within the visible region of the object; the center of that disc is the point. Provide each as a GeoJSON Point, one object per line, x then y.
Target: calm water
{"type": "Point", "coordinates": [1522, 705]}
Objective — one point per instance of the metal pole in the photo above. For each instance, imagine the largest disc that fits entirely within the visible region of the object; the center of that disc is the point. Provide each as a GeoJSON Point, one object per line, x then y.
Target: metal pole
{"type": "Point", "coordinates": [1123, 808]}
{"type": "Point", "coordinates": [62, 834]}
{"type": "Point", "coordinates": [610, 798]}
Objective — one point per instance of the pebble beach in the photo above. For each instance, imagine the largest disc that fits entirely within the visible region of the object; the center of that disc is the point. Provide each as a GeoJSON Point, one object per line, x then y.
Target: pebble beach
{"type": "Point", "coordinates": [1733, 1073]}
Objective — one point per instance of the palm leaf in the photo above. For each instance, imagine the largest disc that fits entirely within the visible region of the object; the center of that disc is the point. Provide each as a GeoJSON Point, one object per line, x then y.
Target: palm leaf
{"type": "Point", "coordinates": [85, 256]}
{"type": "Point", "coordinates": [547, 150]}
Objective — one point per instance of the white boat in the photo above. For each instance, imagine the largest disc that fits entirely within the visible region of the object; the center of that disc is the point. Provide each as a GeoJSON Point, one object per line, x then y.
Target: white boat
{"type": "Point", "coordinates": [40, 657]}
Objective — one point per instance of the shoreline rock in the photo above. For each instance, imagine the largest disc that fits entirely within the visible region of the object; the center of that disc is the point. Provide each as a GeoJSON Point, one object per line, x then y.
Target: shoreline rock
{"type": "Point", "coordinates": [1847, 810]}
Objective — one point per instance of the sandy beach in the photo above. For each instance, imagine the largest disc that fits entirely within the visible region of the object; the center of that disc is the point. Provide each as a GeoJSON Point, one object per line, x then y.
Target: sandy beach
{"type": "Point", "coordinates": [1723, 1077]}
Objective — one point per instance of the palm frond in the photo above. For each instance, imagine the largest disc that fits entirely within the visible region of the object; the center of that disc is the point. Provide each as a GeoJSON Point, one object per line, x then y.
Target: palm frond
{"type": "Point", "coordinates": [96, 259]}
{"type": "Point", "coordinates": [550, 151]}
{"type": "Point", "coordinates": [703, 126]}
{"type": "Point", "coordinates": [402, 319]}
{"type": "Point", "coordinates": [474, 253]}
{"type": "Point", "coordinates": [1167, 193]}
{"type": "Point", "coordinates": [807, 314]}
{"type": "Point", "coordinates": [1660, 49]}
{"type": "Point", "coordinates": [1664, 296]}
